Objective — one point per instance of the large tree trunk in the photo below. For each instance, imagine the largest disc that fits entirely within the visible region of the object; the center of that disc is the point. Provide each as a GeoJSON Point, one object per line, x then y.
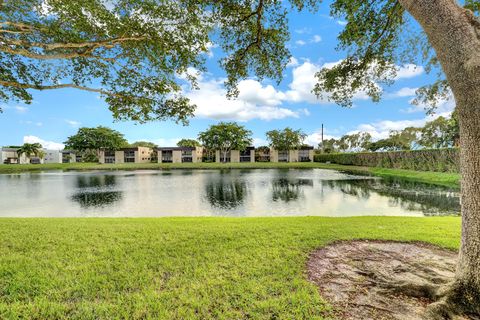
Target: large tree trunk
{"type": "Point", "coordinates": [454, 33]}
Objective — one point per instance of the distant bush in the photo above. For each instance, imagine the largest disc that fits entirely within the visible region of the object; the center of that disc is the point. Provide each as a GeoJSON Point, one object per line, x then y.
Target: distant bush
{"type": "Point", "coordinates": [441, 160]}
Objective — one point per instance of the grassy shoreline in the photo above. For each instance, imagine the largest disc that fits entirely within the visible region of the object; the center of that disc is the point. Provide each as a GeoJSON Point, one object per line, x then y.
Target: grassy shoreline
{"type": "Point", "coordinates": [438, 178]}
{"type": "Point", "coordinates": [181, 268]}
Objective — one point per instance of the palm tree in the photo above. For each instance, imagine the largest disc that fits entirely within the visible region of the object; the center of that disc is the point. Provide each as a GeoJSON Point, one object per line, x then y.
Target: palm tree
{"type": "Point", "coordinates": [30, 149]}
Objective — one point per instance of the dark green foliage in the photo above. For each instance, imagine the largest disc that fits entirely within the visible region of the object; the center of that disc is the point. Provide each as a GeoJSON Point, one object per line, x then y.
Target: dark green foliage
{"type": "Point", "coordinates": [286, 139]}
{"type": "Point", "coordinates": [226, 136]}
{"type": "Point", "coordinates": [146, 144]}
{"type": "Point", "coordinates": [442, 160]}
{"type": "Point", "coordinates": [99, 138]}
{"type": "Point", "coordinates": [188, 143]}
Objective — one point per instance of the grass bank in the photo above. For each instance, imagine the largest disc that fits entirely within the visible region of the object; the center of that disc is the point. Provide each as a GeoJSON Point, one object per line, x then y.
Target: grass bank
{"type": "Point", "coordinates": [439, 178]}
{"type": "Point", "coordinates": [180, 268]}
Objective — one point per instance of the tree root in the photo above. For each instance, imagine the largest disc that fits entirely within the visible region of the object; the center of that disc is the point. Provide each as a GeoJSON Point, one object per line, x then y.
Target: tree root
{"type": "Point", "coordinates": [390, 280]}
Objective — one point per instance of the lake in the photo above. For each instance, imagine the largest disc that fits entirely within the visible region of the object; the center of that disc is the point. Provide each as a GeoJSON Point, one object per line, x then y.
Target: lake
{"type": "Point", "coordinates": [236, 192]}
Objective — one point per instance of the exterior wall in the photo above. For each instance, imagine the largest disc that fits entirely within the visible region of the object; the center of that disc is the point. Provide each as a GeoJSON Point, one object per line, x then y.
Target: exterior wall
{"type": "Point", "coordinates": [293, 156]}
{"type": "Point", "coordinates": [119, 156]}
{"type": "Point", "coordinates": [52, 156]}
{"type": "Point", "coordinates": [197, 154]}
{"type": "Point", "coordinates": [10, 153]}
{"type": "Point", "coordinates": [143, 155]}
{"type": "Point", "coordinates": [101, 157]}
{"type": "Point", "coordinates": [273, 155]}
{"type": "Point", "coordinates": [235, 156]}
{"type": "Point", "coordinates": [69, 154]}
{"type": "Point", "coordinates": [252, 155]}
{"type": "Point", "coordinates": [177, 156]}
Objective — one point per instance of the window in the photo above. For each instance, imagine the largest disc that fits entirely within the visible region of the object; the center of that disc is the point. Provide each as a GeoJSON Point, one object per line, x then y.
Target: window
{"type": "Point", "coordinates": [245, 156]}
{"type": "Point", "coordinates": [167, 156]}
{"type": "Point", "coordinates": [304, 155]}
{"type": "Point", "coordinates": [283, 156]}
{"type": "Point", "coordinates": [109, 156]}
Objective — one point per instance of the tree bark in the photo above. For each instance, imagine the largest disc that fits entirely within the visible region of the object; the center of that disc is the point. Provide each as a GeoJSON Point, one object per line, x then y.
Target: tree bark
{"type": "Point", "coordinates": [454, 33]}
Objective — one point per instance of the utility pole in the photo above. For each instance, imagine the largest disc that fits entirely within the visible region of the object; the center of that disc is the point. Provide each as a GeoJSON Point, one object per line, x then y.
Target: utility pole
{"type": "Point", "coordinates": [323, 148]}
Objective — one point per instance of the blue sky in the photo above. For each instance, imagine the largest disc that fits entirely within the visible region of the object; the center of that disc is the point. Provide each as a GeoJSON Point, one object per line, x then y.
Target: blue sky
{"type": "Point", "coordinates": [54, 115]}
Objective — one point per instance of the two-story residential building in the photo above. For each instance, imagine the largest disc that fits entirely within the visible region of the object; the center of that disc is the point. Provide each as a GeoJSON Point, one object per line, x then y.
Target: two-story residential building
{"type": "Point", "coordinates": [235, 156]}
{"type": "Point", "coordinates": [69, 156]}
{"type": "Point", "coordinates": [179, 154]}
{"type": "Point", "coordinates": [303, 154]}
{"type": "Point", "coordinates": [127, 155]}
{"type": "Point", "coordinates": [9, 155]}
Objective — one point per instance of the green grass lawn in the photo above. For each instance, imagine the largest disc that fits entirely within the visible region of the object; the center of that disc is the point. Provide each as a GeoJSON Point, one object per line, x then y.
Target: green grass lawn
{"type": "Point", "coordinates": [439, 178]}
{"type": "Point", "coordinates": [180, 268]}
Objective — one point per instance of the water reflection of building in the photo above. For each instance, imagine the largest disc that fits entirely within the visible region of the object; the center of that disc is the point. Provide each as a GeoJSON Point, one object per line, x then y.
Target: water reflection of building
{"type": "Point", "coordinates": [96, 191]}
{"type": "Point", "coordinates": [287, 190]}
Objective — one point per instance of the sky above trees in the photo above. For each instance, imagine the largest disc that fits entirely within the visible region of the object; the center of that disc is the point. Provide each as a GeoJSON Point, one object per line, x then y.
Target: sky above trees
{"type": "Point", "coordinates": [261, 106]}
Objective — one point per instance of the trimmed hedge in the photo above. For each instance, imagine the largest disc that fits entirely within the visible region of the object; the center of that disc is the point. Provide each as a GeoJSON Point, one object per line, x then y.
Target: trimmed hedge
{"type": "Point", "coordinates": [440, 160]}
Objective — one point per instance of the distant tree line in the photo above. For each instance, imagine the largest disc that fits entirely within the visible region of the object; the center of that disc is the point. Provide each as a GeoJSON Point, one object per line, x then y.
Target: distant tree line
{"type": "Point", "coordinates": [439, 133]}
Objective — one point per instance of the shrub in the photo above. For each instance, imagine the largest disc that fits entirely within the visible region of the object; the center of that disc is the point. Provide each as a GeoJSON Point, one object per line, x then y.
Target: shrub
{"type": "Point", "coordinates": [442, 160]}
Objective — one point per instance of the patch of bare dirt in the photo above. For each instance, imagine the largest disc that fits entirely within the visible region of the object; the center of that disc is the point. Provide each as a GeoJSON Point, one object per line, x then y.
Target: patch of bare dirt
{"type": "Point", "coordinates": [380, 280]}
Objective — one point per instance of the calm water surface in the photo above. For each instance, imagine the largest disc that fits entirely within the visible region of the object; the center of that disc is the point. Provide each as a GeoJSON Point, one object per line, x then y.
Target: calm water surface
{"type": "Point", "coordinates": [269, 192]}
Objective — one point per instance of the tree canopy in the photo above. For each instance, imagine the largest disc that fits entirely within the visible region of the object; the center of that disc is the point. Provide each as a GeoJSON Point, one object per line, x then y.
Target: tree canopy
{"type": "Point", "coordinates": [147, 144]}
{"type": "Point", "coordinates": [96, 139]}
{"type": "Point", "coordinates": [286, 139]}
{"type": "Point", "coordinates": [31, 149]}
{"type": "Point", "coordinates": [188, 143]}
{"type": "Point", "coordinates": [136, 53]}
{"type": "Point", "coordinates": [226, 136]}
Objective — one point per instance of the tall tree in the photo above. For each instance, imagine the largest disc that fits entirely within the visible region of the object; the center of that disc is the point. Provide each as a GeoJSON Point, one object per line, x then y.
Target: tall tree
{"type": "Point", "coordinates": [439, 133]}
{"type": "Point", "coordinates": [154, 44]}
{"type": "Point", "coordinates": [31, 149]}
{"type": "Point", "coordinates": [329, 145]}
{"type": "Point", "coordinates": [129, 52]}
{"type": "Point", "coordinates": [188, 143]}
{"type": "Point", "coordinates": [225, 137]}
{"type": "Point", "coordinates": [96, 140]}
{"type": "Point", "coordinates": [286, 139]}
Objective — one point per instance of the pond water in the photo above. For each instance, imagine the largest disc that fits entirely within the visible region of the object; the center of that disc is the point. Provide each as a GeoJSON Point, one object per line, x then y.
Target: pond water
{"type": "Point", "coordinates": [270, 192]}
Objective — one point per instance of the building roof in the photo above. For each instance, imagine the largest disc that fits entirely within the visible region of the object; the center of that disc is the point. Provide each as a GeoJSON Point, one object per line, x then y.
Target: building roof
{"type": "Point", "coordinates": [177, 148]}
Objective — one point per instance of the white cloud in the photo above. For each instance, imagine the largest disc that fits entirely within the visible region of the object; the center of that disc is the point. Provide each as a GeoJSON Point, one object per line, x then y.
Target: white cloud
{"type": "Point", "coordinates": [404, 92]}
{"type": "Point", "coordinates": [38, 124]}
{"type": "Point", "coordinates": [210, 46]}
{"type": "Point", "coordinates": [302, 83]}
{"type": "Point", "coordinates": [300, 43]}
{"type": "Point", "coordinates": [315, 138]}
{"type": "Point", "coordinates": [444, 106]}
{"type": "Point", "coordinates": [381, 129]}
{"type": "Point", "coordinates": [316, 39]}
{"type": "Point", "coordinates": [21, 109]}
{"type": "Point", "coordinates": [257, 142]}
{"type": "Point", "coordinates": [73, 123]}
{"type": "Point", "coordinates": [163, 142]}
{"type": "Point", "coordinates": [341, 22]}
{"type": "Point", "coordinates": [45, 144]}
{"type": "Point", "coordinates": [408, 71]}
{"type": "Point", "coordinates": [303, 30]}
{"type": "Point", "coordinates": [255, 101]}
{"type": "Point", "coordinates": [293, 62]}
{"type": "Point", "coordinates": [252, 91]}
